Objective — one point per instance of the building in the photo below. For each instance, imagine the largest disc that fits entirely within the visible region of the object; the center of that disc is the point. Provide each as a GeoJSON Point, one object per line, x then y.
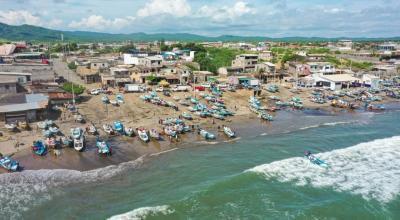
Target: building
{"type": "Point", "coordinates": [246, 61]}
{"type": "Point", "coordinates": [22, 78]}
{"type": "Point", "coordinates": [88, 75]}
{"type": "Point", "coordinates": [265, 55]}
{"type": "Point", "coordinates": [7, 49]}
{"type": "Point", "coordinates": [152, 62]}
{"type": "Point", "coordinates": [23, 107]}
{"type": "Point", "coordinates": [99, 65]}
{"type": "Point", "coordinates": [324, 68]}
{"type": "Point", "coordinates": [60, 98]}
{"type": "Point", "coordinates": [8, 86]}
{"type": "Point", "coordinates": [344, 45]}
{"type": "Point", "coordinates": [230, 71]}
{"type": "Point", "coordinates": [299, 69]}
{"type": "Point", "coordinates": [201, 76]}
{"type": "Point", "coordinates": [139, 73]}
{"type": "Point", "coordinates": [316, 57]}
{"type": "Point", "coordinates": [335, 81]}
{"type": "Point", "coordinates": [116, 77]}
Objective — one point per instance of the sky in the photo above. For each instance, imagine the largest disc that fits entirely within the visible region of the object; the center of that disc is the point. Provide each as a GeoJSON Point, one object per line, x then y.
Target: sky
{"type": "Point", "coordinates": [270, 18]}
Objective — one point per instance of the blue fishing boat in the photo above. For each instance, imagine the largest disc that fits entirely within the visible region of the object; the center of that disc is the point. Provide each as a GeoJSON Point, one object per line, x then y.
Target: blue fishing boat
{"type": "Point", "coordinates": [66, 141]}
{"type": "Point", "coordinates": [119, 127]}
{"type": "Point", "coordinates": [313, 159]}
{"type": "Point", "coordinates": [120, 99]}
{"type": "Point", "coordinates": [105, 99]}
{"type": "Point", "coordinates": [206, 135]}
{"type": "Point", "coordinates": [47, 133]}
{"type": "Point", "coordinates": [9, 164]}
{"type": "Point", "coordinates": [187, 116]}
{"type": "Point", "coordinates": [194, 100]}
{"type": "Point", "coordinates": [103, 147]}
{"type": "Point", "coordinates": [39, 148]}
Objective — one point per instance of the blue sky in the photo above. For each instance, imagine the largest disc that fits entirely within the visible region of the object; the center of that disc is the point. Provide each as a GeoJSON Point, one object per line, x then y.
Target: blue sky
{"type": "Point", "coordinates": [273, 18]}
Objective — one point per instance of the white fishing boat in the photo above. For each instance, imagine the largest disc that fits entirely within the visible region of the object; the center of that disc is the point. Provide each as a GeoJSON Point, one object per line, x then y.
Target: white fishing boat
{"type": "Point", "coordinates": [54, 130]}
{"type": "Point", "coordinates": [79, 143]}
{"type": "Point", "coordinates": [170, 132]}
{"type": "Point", "coordinates": [207, 135]}
{"type": "Point", "coordinates": [92, 130]}
{"type": "Point", "coordinates": [42, 125]}
{"type": "Point", "coordinates": [11, 127]}
{"type": "Point", "coordinates": [79, 118]}
{"type": "Point", "coordinates": [154, 134]}
{"type": "Point", "coordinates": [229, 132]}
{"type": "Point", "coordinates": [108, 129]}
{"type": "Point", "coordinates": [142, 133]}
{"type": "Point", "coordinates": [129, 132]}
{"type": "Point", "coordinates": [114, 102]}
{"type": "Point", "coordinates": [76, 133]}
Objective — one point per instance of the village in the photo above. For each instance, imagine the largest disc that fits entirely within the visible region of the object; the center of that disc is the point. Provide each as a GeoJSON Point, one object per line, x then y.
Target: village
{"type": "Point", "coordinates": [67, 96]}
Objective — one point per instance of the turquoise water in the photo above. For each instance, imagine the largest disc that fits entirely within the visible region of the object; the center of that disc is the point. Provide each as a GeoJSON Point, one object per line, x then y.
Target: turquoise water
{"type": "Point", "coordinates": [256, 177]}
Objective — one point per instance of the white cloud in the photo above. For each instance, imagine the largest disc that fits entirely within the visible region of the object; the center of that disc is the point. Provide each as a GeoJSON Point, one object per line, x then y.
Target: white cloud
{"type": "Point", "coordinates": [98, 22]}
{"type": "Point", "coordinates": [177, 8]}
{"type": "Point", "coordinates": [55, 23]}
{"type": "Point", "coordinates": [19, 17]}
{"type": "Point", "coordinates": [224, 13]}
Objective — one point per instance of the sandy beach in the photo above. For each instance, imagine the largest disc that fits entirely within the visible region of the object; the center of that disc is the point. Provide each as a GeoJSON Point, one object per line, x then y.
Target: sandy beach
{"type": "Point", "coordinates": [137, 113]}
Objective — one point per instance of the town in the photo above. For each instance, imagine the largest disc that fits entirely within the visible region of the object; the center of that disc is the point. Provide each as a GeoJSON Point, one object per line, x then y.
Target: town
{"type": "Point", "coordinates": [80, 95]}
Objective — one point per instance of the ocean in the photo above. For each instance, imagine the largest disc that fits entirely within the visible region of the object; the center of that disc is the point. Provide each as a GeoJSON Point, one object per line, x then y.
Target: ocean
{"type": "Point", "coordinates": [262, 175]}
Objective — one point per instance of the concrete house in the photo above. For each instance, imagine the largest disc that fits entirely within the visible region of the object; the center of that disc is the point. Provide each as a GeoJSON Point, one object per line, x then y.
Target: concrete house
{"type": "Point", "coordinates": [246, 61]}
{"type": "Point", "coordinates": [23, 107]}
{"type": "Point", "coordinates": [152, 62]}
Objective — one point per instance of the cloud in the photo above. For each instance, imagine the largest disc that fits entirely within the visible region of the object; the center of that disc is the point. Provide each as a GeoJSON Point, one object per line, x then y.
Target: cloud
{"type": "Point", "coordinates": [224, 13]}
{"type": "Point", "coordinates": [19, 17]}
{"type": "Point", "coordinates": [98, 22]}
{"type": "Point", "coordinates": [176, 8]}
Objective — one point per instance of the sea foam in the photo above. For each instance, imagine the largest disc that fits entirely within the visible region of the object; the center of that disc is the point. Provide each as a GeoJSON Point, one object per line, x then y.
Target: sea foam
{"type": "Point", "coordinates": [142, 213]}
{"type": "Point", "coordinates": [369, 169]}
{"type": "Point", "coordinates": [21, 191]}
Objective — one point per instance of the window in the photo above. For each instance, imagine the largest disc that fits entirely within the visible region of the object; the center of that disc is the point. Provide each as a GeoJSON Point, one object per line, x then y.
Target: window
{"type": "Point", "coordinates": [7, 87]}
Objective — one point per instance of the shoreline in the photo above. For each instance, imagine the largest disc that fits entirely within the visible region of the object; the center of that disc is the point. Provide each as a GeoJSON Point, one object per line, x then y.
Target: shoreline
{"type": "Point", "coordinates": [128, 149]}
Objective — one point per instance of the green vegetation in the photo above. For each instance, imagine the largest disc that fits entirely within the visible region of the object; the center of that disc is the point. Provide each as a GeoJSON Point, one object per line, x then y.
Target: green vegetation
{"type": "Point", "coordinates": [126, 48]}
{"type": "Point", "coordinates": [78, 89]}
{"type": "Point", "coordinates": [320, 50]}
{"type": "Point", "coordinates": [72, 66]}
{"type": "Point", "coordinates": [346, 63]}
{"type": "Point", "coordinates": [214, 58]}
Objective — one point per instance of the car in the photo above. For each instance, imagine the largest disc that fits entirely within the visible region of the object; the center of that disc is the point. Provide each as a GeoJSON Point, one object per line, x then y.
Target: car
{"type": "Point", "coordinates": [159, 89]}
{"type": "Point", "coordinates": [95, 91]}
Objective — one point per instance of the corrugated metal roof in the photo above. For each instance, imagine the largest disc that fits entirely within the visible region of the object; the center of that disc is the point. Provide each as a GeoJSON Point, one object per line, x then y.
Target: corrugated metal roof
{"type": "Point", "coordinates": [23, 102]}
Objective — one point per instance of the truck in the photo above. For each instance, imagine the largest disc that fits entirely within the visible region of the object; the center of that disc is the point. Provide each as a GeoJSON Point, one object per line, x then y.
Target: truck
{"type": "Point", "coordinates": [134, 88]}
{"type": "Point", "coordinates": [181, 88]}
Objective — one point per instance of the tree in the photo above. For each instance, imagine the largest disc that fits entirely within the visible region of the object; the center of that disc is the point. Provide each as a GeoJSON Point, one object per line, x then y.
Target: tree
{"type": "Point", "coordinates": [77, 89]}
{"type": "Point", "coordinates": [72, 66]}
{"type": "Point", "coordinates": [127, 48]}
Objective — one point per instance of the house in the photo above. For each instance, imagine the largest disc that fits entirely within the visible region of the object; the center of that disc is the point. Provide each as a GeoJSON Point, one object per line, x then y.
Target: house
{"type": "Point", "coordinates": [7, 49]}
{"type": "Point", "coordinates": [370, 80]}
{"type": "Point", "coordinates": [117, 77]}
{"type": "Point", "coordinates": [23, 107]}
{"type": "Point", "coordinates": [334, 81]}
{"type": "Point", "coordinates": [344, 45]}
{"type": "Point", "coordinates": [245, 61]}
{"type": "Point", "coordinates": [99, 65]}
{"type": "Point", "coordinates": [316, 57]}
{"type": "Point", "coordinates": [139, 73]}
{"type": "Point", "coordinates": [201, 76]}
{"type": "Point", "coordinates": [324, 68]}
{"type": "Point", "coordinates": [299, 69]}
{"type": "Point", "coordinates": [152, 62]}
{"type": "Point", "coordinates": [265, 55]}
{"type": "Point", "coordinates": [88, 75]}
{"type": "Point", "coordinates": [60, 98]}
{"type": "Point", "coordinates": [8, 85]}
{"type": "Point", "coordinates": [22, 78]}
{"type": "Point", "coordinates": [230, 71]}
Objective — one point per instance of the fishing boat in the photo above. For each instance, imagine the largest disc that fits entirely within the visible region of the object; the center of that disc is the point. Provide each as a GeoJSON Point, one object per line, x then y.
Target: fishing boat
{"type": "Point", "coordinates": [187, 116]}
{"type": "Point", "coordinates": [42, 125]}
{"type": "Point", "coordinates": [79, 143]}
{"type": "Point", "coordinates": [39, 148]}
{"type": "Point", "coordinates": [194, 100]}
{"type": "Point", "coordinates": [79, 118]}
{"type": "Point", "coordinates": [142, 133]}
{"type": "Point", "coordinates": [170, 132]}
{"type": "Point", "coordinates": [76, 133]}
{"type": "Point", "coordinates": [54, 130]}
{"type": "Point", "coordinates": [114, 102]}
{"type": "Point", "coordinates": [154, 134]}
{"type": "Point", "coordinates": [92, 129]}
{"type": "Point", "coordinates": [103, 147]}
{"type": "Point", "coordinates": [376, 107]}
{"type": "Point", "coordinates": [47, 133]}
{"type": "Point", "coordinates": [206, 135]}
{"type": "Point", "coordinates": [313, 159]}
{"type": "Point", "coordinates": [120, 99]}
{"type": "Point", "coordinates": [178, 128]}
{"type": "Point", "coordinates": [218, 116]}
{"type": "Point", "coordinates": [9, 164]}
{"type": "Point", "coordinates": [66, 141]}
{"type": "Point", "coordinates": [229, 132]}
{"type": "Point", "coordinates": [11, 127]}
{"type": "Point", "coordinates": [129, 132]}
{"type": "Point", "coordinates": [266, 116]}
{"type": "Point", "coordinates": [272, 88]}
{"type": "Point", "coordinates": [23, 125]}
{"type": "Point", "coordinates": [119, 127]}
{"type": "Point", "coordinates": [108, 129]}
{"type": "Point", "coordinates": [51, 142]}
{"type": "Point", "coordinates": [105, 99]}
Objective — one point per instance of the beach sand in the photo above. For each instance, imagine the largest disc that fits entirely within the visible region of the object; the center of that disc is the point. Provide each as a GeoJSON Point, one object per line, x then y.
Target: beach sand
{"type": "Point", "coordinates": [137, 113]}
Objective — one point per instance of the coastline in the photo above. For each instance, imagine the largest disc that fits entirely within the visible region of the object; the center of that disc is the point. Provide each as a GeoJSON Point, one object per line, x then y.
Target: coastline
{"type": "Point", "coordinates": [128, 149]}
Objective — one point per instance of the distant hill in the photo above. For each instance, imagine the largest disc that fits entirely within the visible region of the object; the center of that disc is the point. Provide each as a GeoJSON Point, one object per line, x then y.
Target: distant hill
{"type": "Point", "coordinates": [34, 33]}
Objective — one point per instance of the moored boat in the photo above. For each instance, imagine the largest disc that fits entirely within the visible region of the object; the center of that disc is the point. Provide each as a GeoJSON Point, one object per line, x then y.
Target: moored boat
{"type": "Point", "coordinates": [119, 127]}
{"type": "Point", "coordinates": [92, 129]}
{"type": "Point", "coordinates": [108, 129]}
{"type": "Point", "coordinates": [229, 132]}
{"type": "Point", "coordinates": [9, 164]}
{"type": "Point", "coordinates": [105, 99]}
{"type": "Point", "coordinates": [66, 141]}
{"type": "Point", "coordinates": [79, 143]}
{"type": "Point", "coordinates": [76, 133]}
{"type": "Point", "coordinates": [313, 159]}
{"type": "Point", "coordinates": [79, 118]}
{"type": "Point", "coordinates": [154, 134]}
{"type": "Point", "coordinates": [187, 116]}
{"type": "Point", "coordinates": [142, 133]}
{"type": "Point", "coordinates": [103, 147]}
{"type": "Point", "coordinates": [54, 130]}
{"type": "Point", "coordinates": [170, 132]}
{"type": "Point", "coordinates": [11, 127]}
{"type": "Point", "coordinates": [51, 142]}
{"type": "Point", "coordinates": [129, 132]}
{"type": "Point", "coordinates": [39, 148]}
{"type": "Point", "coordinates": [207, 135]}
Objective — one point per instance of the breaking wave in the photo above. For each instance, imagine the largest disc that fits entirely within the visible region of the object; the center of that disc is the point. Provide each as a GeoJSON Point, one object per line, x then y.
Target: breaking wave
{"type": "Point", "coordinates": [21, 191]}
{"type": "Point", "coordinates": [142, 213]}
{"type": "Point", "coordinates": [369, 169]}
{"type": "Point", "coordinates": [326, 124]}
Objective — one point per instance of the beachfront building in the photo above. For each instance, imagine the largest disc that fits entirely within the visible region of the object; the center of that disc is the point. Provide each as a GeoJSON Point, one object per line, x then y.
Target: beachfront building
{"type": "Point", "coordinates": [23, 107]}
{"type": "Point", "coordinates": [334, 81]}
{"type": "Point", "coordinates": [152, 62]}
{"type": "Point", "coordinates": [266, 71]}
{"type": "Point", "coordinates": [323, 68]}
{"type": "Point", "coordinates": [230, 71]}
{"type": "Point", "coordinates": [139, 73]}
{"type": "Point", "coordinates": [298, 69]}
{"type": "Point", "coordinates": [247, 62]}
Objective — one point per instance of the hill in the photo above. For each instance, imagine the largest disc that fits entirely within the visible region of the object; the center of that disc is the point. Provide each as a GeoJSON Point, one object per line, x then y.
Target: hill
{"type": "Point", "coordinates": [34, 33]}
